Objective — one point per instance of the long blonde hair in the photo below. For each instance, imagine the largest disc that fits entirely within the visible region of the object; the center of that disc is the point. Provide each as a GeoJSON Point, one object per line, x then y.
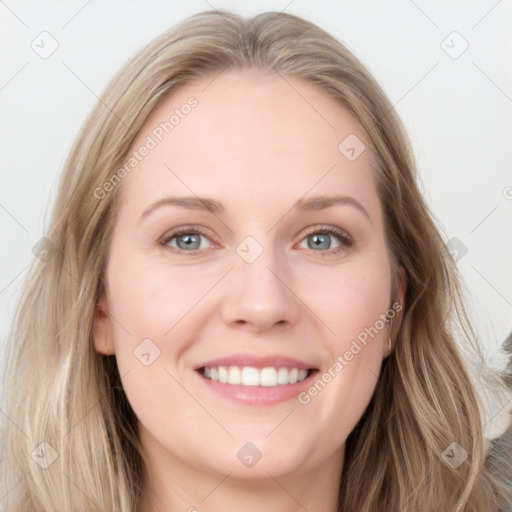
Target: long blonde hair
{"type": "Point", "coordinates": [70, 435]}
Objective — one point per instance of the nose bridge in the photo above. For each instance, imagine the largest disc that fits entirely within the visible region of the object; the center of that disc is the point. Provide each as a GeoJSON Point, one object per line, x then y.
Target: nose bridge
{"type": "Point", "coordinates": [257, 291]}
{"type": "Point", "coordinates": [259, 265]}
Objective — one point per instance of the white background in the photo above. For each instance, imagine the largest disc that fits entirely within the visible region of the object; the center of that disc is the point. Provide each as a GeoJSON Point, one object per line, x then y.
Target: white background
{"type": "Point", "coordinates": [458, 112]}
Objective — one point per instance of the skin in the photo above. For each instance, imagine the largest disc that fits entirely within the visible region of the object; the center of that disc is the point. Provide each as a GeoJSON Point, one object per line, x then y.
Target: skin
{"type": "Point", "coordinates": [257, 144]}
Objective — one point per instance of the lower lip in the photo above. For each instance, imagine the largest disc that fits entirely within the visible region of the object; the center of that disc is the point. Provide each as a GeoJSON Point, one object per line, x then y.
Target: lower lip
{"type": "Point", "coordinates": [258, 395]}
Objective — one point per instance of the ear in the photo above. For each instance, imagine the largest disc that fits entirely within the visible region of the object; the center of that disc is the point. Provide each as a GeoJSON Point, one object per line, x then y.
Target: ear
{"type": "Point", "coordinates": [398, 305]}
{"type": "Point", "coordinates": [102, 328]}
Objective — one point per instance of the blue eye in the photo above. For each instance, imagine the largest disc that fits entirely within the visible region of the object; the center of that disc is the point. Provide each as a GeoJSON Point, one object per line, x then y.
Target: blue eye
{"type": "Point", "coordinates": [321, 239]}
{"type": "Point", "coordinates": [188, 239]}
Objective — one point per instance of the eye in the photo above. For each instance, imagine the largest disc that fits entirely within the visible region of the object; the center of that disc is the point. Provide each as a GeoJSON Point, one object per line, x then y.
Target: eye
{"type": "Point", "coordinates": [320, 240]}
{"type": "Point", "coordinates": [186, 239]}
{"type": "Point", "coordinates": [189, 238]}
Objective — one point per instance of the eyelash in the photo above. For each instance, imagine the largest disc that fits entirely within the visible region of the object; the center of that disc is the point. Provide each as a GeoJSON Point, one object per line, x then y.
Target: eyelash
{"type": "Point", "coordinates": [345, 239]}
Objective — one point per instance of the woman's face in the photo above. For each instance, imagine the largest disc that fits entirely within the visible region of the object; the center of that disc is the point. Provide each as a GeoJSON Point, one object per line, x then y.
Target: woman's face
{"type": "Point", "coordinates": [266, 283]}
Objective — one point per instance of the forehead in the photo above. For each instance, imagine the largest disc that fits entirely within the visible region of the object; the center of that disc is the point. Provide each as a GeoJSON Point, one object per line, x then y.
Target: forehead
{"type": "Point", "coordinates": [247, 136]}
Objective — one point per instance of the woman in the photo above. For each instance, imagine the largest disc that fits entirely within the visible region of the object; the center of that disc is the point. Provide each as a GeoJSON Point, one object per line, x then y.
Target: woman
{"type": "Point", "coordinates": [301, 355]}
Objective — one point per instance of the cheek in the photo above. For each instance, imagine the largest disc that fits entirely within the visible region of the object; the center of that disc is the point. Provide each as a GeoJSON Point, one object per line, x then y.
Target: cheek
{"type": "Point", "coordinates": [150, 306]}
{"type": "Point", "coordinates": [349, 299]}
{"type": "Point", "coordinates": [158, 311]}
{"type": "Point", "coordinates": [150, 298]}
{"type": "Point", "coordinates": [352, 305]}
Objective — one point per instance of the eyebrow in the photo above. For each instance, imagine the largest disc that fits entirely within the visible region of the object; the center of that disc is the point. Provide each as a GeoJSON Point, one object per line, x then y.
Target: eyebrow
{"type": "Point", "coordinates": [318, 202]}
{"type": "Point", "coordinates": [191, 203]}
{"type": "Point", "coordinates": [321, 202]}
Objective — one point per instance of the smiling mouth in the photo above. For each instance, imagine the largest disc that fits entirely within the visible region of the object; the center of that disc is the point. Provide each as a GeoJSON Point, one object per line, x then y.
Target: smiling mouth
{"type": "Point", "coordinates": [252, 377]}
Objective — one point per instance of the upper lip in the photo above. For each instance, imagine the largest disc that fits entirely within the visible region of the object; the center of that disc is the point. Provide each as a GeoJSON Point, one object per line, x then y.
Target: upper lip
{"type": "Point", "coordinates": [257, 361]}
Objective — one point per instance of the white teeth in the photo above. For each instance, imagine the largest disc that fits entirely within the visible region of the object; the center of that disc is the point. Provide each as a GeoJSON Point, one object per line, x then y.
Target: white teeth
{"type": "Point", "coordinates": [234, 375]}
{"type": "Point", "coordinates": [249, 376]}
{"type": "Point", "coordinates": [223, 374]}
{"type": "Point", "coordinates": [268, 377]}
{"type": "Point", "coordinates": [283, 376]}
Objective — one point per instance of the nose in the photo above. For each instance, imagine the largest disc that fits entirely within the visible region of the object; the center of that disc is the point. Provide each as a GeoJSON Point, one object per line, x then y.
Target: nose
{"type": "Point", "coordinates": [259, 295]}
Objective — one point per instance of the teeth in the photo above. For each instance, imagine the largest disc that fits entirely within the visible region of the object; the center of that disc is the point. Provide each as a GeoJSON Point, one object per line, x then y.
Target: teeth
{"type": "Point", "coordinates": [268, 377]}
{"type": "Point", "coordinates": [234, 375]}
{"type": "Point", "coordinates": [223, 374]}
{"type": "Point", "coordinates": [249, 376]}
{"type": "Point", "coordinates": [283, 376]}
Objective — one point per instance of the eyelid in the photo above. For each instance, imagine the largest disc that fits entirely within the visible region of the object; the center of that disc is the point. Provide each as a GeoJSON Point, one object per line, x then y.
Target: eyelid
{"type": "Point", "coordinates": [332, 230]}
